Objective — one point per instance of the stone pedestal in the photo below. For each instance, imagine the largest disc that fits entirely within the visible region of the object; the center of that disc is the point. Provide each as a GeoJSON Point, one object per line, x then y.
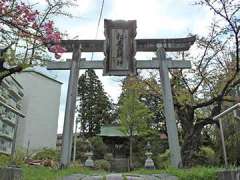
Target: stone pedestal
{"type": "Point", "coordinates": [89, 162]}
{"type": "Point", "coordinates": [149, 164]}
{"type": "Point", "coordinates": [229, 174]}
{"type": "Point", "coordinates": [10, 173]}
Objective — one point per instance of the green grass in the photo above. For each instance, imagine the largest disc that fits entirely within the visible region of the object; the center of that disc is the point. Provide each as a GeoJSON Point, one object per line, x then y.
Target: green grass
{"type": "Point", "coordinates": [196, 173]}
{"type": "Point", "coordinates": [44, 173]}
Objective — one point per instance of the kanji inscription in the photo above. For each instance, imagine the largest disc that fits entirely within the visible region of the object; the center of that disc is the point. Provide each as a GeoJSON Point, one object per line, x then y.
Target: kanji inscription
{"type": "Point", "coordinates": [120, 47]}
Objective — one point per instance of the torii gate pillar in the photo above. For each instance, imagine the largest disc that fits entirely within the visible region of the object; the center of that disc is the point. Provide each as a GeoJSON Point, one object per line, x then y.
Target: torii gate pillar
{"type": "Point", "coordinates": [70, 107]}
{"type": "Point", "coordinates": [175, 152]}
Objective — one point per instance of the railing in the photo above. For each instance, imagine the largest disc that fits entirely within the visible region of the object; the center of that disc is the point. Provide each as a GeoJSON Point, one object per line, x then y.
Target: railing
{"type": "Point", "coordinates": [9, 108]}
{"type": "Point", "coordinates": [6, 134]}
{"type": "Point", "coordinates": [221, 129]}
{"type": "Point", "coordinates": [7, 115]}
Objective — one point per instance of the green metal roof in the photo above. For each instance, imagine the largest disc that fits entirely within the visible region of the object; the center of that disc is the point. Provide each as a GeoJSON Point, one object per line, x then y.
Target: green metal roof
{"type": "Point", "coordinates": [112, 131]}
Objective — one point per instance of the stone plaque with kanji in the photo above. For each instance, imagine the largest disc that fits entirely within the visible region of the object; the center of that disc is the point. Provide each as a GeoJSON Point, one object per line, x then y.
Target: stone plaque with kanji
{"type": "Point", "coordinates": [120, 47]}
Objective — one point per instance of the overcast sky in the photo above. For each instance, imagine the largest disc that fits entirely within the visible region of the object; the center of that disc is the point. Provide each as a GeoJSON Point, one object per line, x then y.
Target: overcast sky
{"type": "Point", "coordinates": [155, 19]}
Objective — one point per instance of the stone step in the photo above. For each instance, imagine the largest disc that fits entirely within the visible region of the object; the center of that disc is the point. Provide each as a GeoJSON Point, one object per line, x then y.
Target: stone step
{"type": "Point", "coordinates": [119, 165]}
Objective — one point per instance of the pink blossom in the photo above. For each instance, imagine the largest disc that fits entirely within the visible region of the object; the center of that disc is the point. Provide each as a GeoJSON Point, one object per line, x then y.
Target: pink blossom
{"type": "Point", "coordinates": [24, 17]}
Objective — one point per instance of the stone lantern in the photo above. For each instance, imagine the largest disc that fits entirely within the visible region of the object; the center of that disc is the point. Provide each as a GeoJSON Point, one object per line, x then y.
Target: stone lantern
{"type": "Point", "coordinates": [89, 162]}
{"type": "Point", "coordinates": [149, 164]}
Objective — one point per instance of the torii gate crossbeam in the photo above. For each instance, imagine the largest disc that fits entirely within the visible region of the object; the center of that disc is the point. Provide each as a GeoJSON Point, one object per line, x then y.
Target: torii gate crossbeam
{"type": "Point", "coordinates": [143, 45]}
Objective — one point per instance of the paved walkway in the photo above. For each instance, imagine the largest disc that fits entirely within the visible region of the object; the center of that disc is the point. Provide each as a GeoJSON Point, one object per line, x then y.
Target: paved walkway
{"type": "Point", "coordinates": [121, 177]}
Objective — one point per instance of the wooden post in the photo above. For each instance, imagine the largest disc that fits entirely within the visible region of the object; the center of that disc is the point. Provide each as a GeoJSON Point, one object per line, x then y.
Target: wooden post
{"type": "Point", "coordinates": [70, 107]}
{"type": "Point", "coordinates": [175, 154]}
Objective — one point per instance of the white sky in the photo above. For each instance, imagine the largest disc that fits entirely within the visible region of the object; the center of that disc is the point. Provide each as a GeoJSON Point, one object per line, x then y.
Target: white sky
{"type": "Point", "coordinates": [155, 19]}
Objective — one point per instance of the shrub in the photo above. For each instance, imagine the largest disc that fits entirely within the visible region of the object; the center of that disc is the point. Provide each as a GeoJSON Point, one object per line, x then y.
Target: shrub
{"type": "Point", "coordinates": [81, 149]}
{"type": "Point", "coordinates": [207, 156]}
{"type": "Point", "coordinates": [76, 164]}
{"type": "Point", "coordinates": [19, 157]}
{"type": "Point", "coordinates": [108, 156]}
{"type": "Point", "coordinates": [47, 154]}
{"type": "Point", "coordinates": [138, 161]}
{"type": "Point", "coordinates": [102, 165]}
{"type": "Point", "coordinates": [4, 160]}
{"type": "Point", "coordinates": [163, 160]}
{"type": "Point", "coordinates": [99, 148]}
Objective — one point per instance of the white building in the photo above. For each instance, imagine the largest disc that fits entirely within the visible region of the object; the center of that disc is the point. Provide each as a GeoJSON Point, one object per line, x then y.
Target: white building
{"type": "Point", "coordinates": [41, 108]}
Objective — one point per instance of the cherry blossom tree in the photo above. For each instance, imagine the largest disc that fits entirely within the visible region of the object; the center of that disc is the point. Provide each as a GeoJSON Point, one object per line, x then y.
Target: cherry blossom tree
{"type": "Point", "coordinates": [27, 34]}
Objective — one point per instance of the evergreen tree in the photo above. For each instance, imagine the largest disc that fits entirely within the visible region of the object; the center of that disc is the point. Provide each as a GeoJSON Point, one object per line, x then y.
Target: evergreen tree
{"type": "Point", "coordinates": [95, 108]}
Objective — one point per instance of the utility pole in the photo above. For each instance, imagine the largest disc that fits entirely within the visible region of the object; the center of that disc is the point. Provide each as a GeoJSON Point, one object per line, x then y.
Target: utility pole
{"type": "Point", "coordinates": [75, 138]}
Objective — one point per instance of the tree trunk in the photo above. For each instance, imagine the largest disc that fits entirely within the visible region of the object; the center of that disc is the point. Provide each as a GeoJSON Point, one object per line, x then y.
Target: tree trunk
{"type": "Point", "coordinates": [130, 152]}
{"type": "Point", "coordinates": [7, 72]}
{"type": "Point", "coordinates": [191, 135]}
{"type": "Point", "coordinates": [191, 144]}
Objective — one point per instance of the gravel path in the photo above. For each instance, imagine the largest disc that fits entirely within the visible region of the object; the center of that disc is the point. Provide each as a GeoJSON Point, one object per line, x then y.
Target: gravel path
{"type": "Point", "coordinates": [120, 177]}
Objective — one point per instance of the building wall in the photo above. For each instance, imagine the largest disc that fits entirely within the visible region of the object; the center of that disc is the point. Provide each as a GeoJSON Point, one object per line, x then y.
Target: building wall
{"type": "Point", "coordinates": [11, 94]}
{"type": "Point", "coordinates": [41, 108]}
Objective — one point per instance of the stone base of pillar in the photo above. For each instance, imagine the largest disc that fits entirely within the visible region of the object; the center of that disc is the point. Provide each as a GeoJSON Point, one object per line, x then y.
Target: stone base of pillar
{"type": "Point", "coordinates": [149, 164]}
{"type": "Point", "coordinates": [10, 173]}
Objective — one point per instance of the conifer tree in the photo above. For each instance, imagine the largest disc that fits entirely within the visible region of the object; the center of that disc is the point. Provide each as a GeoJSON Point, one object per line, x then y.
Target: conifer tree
{"type": "Point", "coordinates": [95, 107]}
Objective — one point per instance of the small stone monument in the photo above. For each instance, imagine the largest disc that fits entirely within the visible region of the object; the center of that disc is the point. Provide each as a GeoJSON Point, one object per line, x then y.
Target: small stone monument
{"type": "Point", "coordinates": [89, 162]}
{"type": "Point", "coordinates": [149, 164]}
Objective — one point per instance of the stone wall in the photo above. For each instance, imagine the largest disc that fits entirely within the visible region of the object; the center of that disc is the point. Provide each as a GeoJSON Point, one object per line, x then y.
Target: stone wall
{"type": "Point", "coordinates": [229, 174]}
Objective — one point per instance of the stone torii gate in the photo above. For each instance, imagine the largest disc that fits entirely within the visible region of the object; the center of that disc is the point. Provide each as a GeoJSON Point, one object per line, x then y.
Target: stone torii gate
{"type": "Point", "coordinates": [120, 48]}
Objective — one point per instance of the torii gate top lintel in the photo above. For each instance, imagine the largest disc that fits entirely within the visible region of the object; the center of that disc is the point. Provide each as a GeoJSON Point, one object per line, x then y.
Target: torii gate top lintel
{"type": "Point", "coordinates": [144, 45]}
